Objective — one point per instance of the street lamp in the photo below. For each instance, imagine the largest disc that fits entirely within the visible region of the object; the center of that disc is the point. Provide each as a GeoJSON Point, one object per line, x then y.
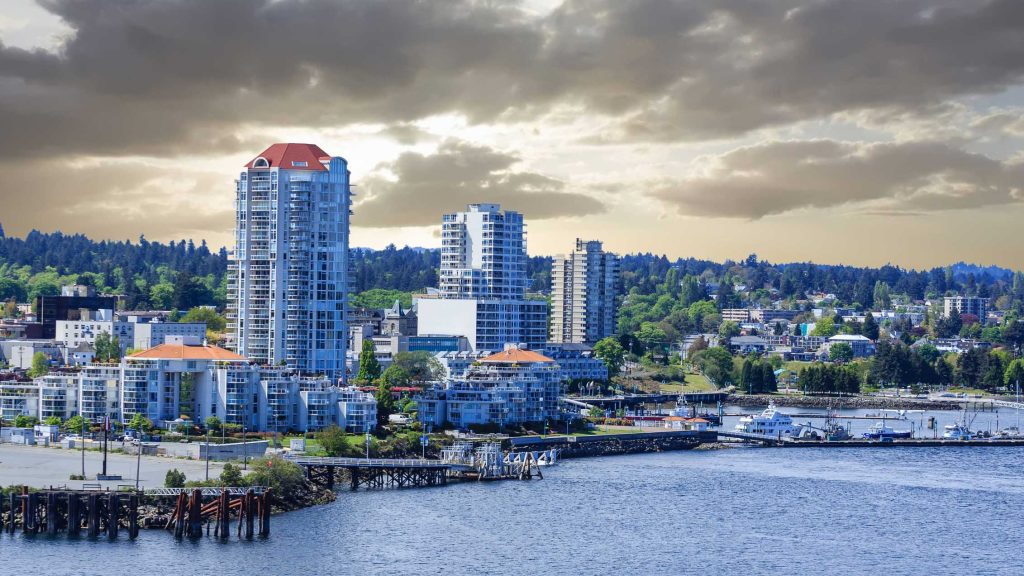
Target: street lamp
{"type": "Point", "coordinates": [367, 441]}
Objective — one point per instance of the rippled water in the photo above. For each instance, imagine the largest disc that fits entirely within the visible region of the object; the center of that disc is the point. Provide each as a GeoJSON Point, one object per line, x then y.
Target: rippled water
{"type": "Point", "coordinates": [752, 511]}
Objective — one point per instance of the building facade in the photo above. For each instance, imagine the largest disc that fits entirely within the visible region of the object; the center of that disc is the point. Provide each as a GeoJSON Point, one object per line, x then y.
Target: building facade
{"type": "Point", "coordinates": [583, 290]}
{"type": "Point", "coordinates": [965, 305]}
{"type": "Point", "coordinates": [511, 387]}
{"type": "Point", "coordinates": [288, 276]}
{"type": "Point", "coordinates": [483, 282]}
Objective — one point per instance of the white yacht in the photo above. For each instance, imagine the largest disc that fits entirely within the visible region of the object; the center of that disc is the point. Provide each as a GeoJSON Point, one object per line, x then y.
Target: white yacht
{"type": "Point", "coordinates": [771, 422]}
{"type": "Point", "coordinates": [957, 432]}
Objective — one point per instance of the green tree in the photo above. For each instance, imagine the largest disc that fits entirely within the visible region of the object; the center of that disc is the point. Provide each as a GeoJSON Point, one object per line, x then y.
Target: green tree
{"type": "Point", "coordinates": [1014, 374]}
{"type": "Point", "coordinates": [213, 423]}
{"type": "Point", "coordinates": [651, 337]}
{"type": "Point", "coordinates": [609, 351]}
{"type": "Point", "coordinates": [25, 421]}
{"type": "Point", "coordinates": [139, 423]}
{"type": "Point", "coordinates": [333, 441]}
{"type": "Point", "coordinates": [824, 327]}
{"type": "Point", "coordinates": [769, 383]}
{"type": "Point", "coordinates": [161, 295]}
{"type": "Point", "coordinates": [174, 479]}
{"type": "Point", "coordinates": [870, 327]}
{"type": "Point", "coordinates": [75, 424]}
{"type": "Point", "coordinates": [285, 478]}
{"type": "Point", "coordinates": [393, 377]}
{"type": "Point", "coordinates": [369, 367]}
{"type": "Point", "coordinates": [207, 315]}
{"type": "Point", "coordinates": [40, 365]}
{"type": "Point", "coordinates": [728, 329]}
{"type": "Point", "coordinates": [52, 421]}
{"type": "Point", "coordinates": [231, 475]}
{"type": "Point", "coordinates": [840, 352]}
{"type": "Point", "coordinates": [381, 298]}
{"type": "Point", "coordinates": [716, 365]}
{"type": "Point", "coordinates": [420, 366]}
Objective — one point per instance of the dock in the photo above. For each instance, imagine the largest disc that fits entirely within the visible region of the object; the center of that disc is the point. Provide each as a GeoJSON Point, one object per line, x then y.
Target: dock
{"type": "Point", "coordinates": [104, 513]}
{"type": "Point", "coordinates": [787, 442]}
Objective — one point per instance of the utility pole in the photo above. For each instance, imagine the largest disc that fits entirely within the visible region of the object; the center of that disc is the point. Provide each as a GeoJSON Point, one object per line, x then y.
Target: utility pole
{"type": "Point", "coordinates": [106, 425]}
{"type": "Point", "coordinates": [83, 448]}
{"type": "Point", "coordinates": [138, 457]}
{"type": "Point", "coordinates": [245, 451]}
{"type": "Point", "coordinates": [207, 453]}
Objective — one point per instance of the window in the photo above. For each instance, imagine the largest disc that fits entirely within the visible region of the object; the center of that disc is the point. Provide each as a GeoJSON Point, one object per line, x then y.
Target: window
{"type": "Point", "coordinates": [299, 164]}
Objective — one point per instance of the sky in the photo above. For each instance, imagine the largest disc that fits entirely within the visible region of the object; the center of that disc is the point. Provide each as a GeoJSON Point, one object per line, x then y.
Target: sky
{"type": "Point", "coordinates": [859, 132]}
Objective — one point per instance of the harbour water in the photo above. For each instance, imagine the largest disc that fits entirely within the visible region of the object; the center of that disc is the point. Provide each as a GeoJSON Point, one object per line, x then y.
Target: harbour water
{"type": "Point", "coordinates": [748, 510]}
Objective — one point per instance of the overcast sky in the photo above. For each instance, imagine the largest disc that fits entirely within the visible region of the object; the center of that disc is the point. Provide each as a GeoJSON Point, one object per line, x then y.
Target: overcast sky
{"type": "Point", "coordinates": [858, 132]}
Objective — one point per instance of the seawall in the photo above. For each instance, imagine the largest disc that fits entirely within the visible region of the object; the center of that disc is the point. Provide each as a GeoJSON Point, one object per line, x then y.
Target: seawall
{"type": "Point", "coordinates": [612, 444]}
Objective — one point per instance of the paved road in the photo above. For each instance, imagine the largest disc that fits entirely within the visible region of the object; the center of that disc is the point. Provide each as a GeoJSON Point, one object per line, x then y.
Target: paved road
{"type": "Point", "coordinates": [41, 467]}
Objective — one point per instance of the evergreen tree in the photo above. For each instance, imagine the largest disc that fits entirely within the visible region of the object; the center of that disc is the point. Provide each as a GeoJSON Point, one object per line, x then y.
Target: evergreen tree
{"type": "Point", "coordinates": [369, 367]}
{"type": "Point", "coordinates": [870, 328]}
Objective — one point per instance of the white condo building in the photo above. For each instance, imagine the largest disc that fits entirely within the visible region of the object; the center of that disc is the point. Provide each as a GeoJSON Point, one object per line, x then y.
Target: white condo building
{"type": "Point", "coordinates": [288, 281]}
{"type": "Point", "coordinates": [483, 282]}
{"type": "Point", "coordinates": [583, 287]}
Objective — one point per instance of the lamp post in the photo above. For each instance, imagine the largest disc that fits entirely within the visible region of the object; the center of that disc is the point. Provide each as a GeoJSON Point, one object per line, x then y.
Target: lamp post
{"type": "Point", "coordinates": [83, 448]}
{"type": "Point", "coordinates": [138, 457]}
{"type": "Point", "coordinates": [207, 453]}
{"type": "Point", "coordinates": [368, 441]}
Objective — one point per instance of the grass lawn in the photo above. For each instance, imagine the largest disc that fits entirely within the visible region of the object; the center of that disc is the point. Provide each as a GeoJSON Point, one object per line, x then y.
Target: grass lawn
{"type": "Point", "coordinates": [693, 383]}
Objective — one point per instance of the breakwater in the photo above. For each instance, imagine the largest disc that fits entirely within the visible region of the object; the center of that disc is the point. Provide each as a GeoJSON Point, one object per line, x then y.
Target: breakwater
{"type": "Point", "coordinates": [876, 402]}
{"type": "Point", "coordinates": [612, 444]}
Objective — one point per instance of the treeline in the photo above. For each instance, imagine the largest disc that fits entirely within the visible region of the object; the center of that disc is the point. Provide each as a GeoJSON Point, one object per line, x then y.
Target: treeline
{"type": "Point", "coordinates": [821, 378]}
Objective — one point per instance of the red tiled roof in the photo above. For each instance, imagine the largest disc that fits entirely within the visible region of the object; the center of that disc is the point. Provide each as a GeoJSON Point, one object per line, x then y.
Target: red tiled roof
{"type": "Point", "coordinates": [290, 156]}
{"type": "Point", "coordinates": [187, 352]}
{"type": "Point", "coordinates": [517, 355]}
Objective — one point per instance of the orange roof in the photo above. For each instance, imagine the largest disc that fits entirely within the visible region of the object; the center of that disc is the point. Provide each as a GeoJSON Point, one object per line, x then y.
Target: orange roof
{"type": "Point", "coordinates": [187, 352]}
{"type": "Point", "coordinates": [517, 355]}
{"type": "Point", "coordinates": [293, 157]}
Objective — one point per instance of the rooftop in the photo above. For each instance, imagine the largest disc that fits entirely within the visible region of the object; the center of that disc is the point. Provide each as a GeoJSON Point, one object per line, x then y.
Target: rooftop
{"type": "Point", "coordinates": [516, 355]}
{"type": "Point", "coordinates": [290, 156]}
{"type": "Point", "coordinates": [187, 352]}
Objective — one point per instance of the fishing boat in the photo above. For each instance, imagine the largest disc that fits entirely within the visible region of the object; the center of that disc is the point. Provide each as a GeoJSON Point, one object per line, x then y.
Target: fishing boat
{"type": "Point", "coordinates": [770, 422]}
{"type": "Point", "coordinates": [957, 431]}
{"type": "Point", "coordinates": [881, 431]}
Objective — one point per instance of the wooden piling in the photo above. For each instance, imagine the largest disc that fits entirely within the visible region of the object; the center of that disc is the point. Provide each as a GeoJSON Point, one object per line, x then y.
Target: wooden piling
{"type": "Point", "coordinates": [265, 513]}
{"type": "Point", "coordinates": [195, 514]}
{"type": "Point", "coordinates": [30, 521]}
{"type": "Point", "coordinates": [223, 514]}
{"type": "Point", "coordinates": [94, 515]}
{"type": "Point", "coordinates": [249, 505]}
{"type": "Point", "coordinates": [51, 513]}
{"type": "Point", "coordinates": [179, 515]}
{"type": "Point", "coordinates": [10, 518]}
{"type": "Point", "coordinates": [74, 515]}
{"type": "Point", "coordinates": [133, 515]}
{"type": "Point", "coordinates": [113, 509]}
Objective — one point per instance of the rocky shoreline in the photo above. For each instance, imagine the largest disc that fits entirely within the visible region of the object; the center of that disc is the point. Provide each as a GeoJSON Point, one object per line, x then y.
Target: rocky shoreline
{"type": "Point", "coordinates": [154, 516]}
{"type": "Point", "coordinates": [875, 402]}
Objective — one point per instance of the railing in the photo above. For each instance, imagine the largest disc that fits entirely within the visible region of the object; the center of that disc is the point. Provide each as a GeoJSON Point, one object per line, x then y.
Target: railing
{"type": "Point", "coordinates": [371, 462]}
{"type": "Point", "coordinates": [231, 490]}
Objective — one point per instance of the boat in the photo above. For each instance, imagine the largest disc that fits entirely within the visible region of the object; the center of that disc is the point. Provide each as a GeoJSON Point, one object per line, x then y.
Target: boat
{"type": "Point", "coordinates": [880, 431]}
{"type": "Point", "coordinates": [957, 432]}
{"type": "Point", "coordinates": [770, 422]}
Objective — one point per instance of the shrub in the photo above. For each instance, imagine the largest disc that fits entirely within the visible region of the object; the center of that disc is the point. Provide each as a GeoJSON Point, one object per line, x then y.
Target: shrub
{"type": "Point", "coordinates": [231, 475]}
{"type": "Point", "coordinates": [174, 479]}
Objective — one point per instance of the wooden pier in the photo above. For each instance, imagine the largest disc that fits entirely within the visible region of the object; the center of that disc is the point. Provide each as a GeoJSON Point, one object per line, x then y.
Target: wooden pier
{"type": "Point", "coordinates": [198, 508]}
{"type": "Point", "coordinates": [68, 511]}
{"type": "Point", "coordinates": [94, 513]}
{"type": "Point", "coordinates": [379, 472]}
{"type": "Point", "coordinates": [787, 442]}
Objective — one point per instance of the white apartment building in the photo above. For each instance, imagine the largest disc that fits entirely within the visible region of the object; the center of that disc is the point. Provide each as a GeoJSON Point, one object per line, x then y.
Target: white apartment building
{"type": "Point", "coordinates": [184, 377]}
{"type": "Point", "coordinates": [965, 305]}
{"type": "Point", "coordinates": [583, 286]}
{"type": "Point", "coordinates": [483, 253]}
{"type": "Point", "coordinates": [483, 282]}
{"type": "Point", "coordinates": [288, 278]}
{"type": "Point", "coordinates": [510, 387]}
{"type": "Point", "coordinates": [135, 332]}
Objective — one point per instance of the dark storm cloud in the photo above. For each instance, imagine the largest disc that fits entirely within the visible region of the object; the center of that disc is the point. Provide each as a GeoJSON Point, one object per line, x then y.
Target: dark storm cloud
{"type": "Point", "coordinates": [111, 200]}
{"type": "Point", "coordinates": [174, 76]}
{"type": "Point", "coordinates": [778, 177]}
{"type": "Point", "coordinates": [416, 188]}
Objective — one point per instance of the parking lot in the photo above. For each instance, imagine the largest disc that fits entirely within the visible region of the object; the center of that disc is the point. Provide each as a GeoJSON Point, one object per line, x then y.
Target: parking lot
{"type": "Point", "coordinates": [41, 467]}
